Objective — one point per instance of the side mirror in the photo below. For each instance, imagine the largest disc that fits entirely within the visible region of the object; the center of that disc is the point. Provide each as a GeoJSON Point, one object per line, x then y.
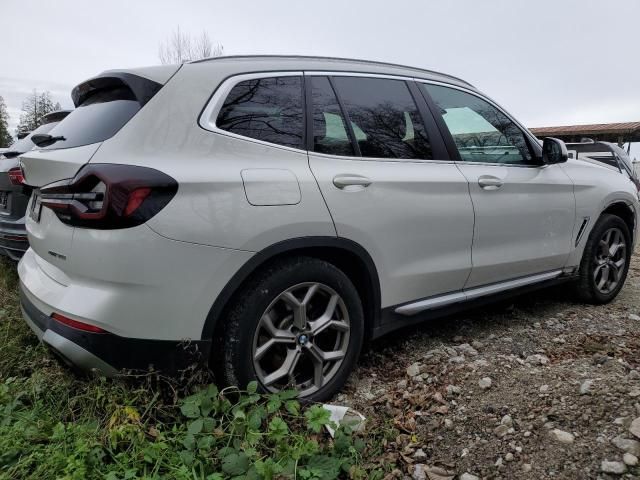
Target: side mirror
{"type": "Point", "coordinates": [554, 151]}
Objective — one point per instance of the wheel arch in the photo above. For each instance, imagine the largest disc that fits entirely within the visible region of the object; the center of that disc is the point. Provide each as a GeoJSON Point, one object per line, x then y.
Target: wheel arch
{"type": "Point", "coordinates": [624, 211]}
{"type": "Point", "coordinates": [345, 254]}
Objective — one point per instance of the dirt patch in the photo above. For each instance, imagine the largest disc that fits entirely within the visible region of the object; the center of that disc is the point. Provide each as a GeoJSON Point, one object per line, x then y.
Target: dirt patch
{"type": "Point", "coordinates": [539, 387]}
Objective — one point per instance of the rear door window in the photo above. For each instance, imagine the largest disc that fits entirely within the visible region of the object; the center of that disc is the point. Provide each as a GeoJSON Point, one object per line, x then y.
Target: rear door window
{"type": "Point", "coordinates": [96, 119]}
{"type": "Point", "coordinates": [385, 120]}
{"type": "Point", "coordinates": [267, 109]}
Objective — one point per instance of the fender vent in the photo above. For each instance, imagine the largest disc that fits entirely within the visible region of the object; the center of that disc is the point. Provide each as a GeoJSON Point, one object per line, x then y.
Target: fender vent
{"type": "Point", "coordinates": [583, 227]}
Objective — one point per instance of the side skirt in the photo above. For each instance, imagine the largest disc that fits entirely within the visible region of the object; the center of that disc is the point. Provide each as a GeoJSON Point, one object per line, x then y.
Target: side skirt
{"type": "Point", "coordinates": [392, 320]}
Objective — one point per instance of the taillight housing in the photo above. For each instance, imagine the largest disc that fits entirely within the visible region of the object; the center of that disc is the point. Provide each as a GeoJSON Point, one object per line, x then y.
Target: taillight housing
{"type": "Point", "coordinates": [109, 196]}
{"type": "Point", "coordinates": [16, 176]}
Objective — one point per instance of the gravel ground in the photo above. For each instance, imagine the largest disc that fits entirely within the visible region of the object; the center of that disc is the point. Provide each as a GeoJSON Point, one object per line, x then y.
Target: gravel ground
{"type": "Point", "coordinates": [536, 387]}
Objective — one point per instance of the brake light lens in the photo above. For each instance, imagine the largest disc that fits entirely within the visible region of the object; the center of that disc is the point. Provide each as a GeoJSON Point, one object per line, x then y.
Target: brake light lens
{"type": "Point", "coordinates": [109, 196]}
{"type": "Point", "coordinates": [16, 176]}
{"type": "Point", "coordinates": [85, 327]}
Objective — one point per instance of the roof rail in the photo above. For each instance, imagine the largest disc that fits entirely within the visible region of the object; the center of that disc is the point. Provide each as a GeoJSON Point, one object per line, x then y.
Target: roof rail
{"type": "Point", "coordinates": [343, 59]}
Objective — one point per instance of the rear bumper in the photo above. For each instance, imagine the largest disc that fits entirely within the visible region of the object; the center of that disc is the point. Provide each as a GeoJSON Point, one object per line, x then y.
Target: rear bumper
{"type": "Point", "coordinates": [13, 238]}
{"type": "Point", "coordinates": [107, 353]}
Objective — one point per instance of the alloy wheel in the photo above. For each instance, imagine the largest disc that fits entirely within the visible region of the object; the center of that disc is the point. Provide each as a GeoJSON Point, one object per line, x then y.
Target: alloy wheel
{"type": "Point", "coordinates": [301, 339]}
{"type": "Point", "coordinates": [610, 260]}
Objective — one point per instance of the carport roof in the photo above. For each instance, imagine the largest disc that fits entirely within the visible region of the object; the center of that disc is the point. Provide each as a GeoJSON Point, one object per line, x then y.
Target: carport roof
{"type": "Point", "coordinates": [630, 131]}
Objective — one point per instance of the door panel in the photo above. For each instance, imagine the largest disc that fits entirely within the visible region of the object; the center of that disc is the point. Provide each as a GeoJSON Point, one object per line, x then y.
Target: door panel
{"type": "Point", "coordinates": [414, 218]}
{"type": "Point", "coordinates": [524, 220]}
{"type": "Point", "coordinates": [524, 211]}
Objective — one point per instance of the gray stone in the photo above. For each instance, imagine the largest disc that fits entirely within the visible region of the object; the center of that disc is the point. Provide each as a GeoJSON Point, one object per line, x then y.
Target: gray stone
{"type": "Point", "coordinates": [630, 460]}
{"type": "Point", "coordinates": [561, 436]}
{"type": "Point", "coordinates": [468, 476]}
{"type": "Point", "coordinates": [627, 445]}
{"type": "Point", "coordinates": [484, 383]}
{"type": "Point", "coordinates": [537, 359]}
{"type": "Point", "coordinates": [617, 468]}
{"type": "Point", "coordinates": [466, 349]}
{"type": "Point", "coordinates": [501, 431]}
{"type": "Point", "coordinates": [413, 370]}
{"type": "Point", "coordinates": [633, 316]}
{"type": "Point", "coordinates": [585, 387]}
{"type": "Point", "coordinates": [507, 420]}
{"type": "Point", "coordinates": [419, 472]}
{"type": "Point", "coordinates": [635, 427]}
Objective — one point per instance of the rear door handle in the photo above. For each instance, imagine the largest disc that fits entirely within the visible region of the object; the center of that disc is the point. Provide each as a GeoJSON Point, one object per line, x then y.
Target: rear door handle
{"type": "Point", "coordinates": [489, 182]}
{"type": "Point", "coordinates": [350, 180]}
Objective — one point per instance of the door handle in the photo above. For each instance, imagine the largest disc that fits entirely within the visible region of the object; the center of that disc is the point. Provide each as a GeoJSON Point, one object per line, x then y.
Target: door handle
{"type": "Point", "coordinates": [489, 182]}
{"type": "Point", "coordinates": [350, 180]}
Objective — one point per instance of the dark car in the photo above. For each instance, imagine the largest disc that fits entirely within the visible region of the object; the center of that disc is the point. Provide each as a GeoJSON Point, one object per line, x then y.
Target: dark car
{"type": "Point", "coordinates": [13, 198]}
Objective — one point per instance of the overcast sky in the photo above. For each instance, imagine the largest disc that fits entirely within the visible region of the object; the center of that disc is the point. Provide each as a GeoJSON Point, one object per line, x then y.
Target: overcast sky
{"type": "Point", "coordinates": [549, 62]}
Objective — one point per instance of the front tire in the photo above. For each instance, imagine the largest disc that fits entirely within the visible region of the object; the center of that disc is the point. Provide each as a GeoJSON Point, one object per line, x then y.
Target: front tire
{"type": "Point", "coordinates": [605, 261]}
{"type": "Point", "coordinates": [297, 324]}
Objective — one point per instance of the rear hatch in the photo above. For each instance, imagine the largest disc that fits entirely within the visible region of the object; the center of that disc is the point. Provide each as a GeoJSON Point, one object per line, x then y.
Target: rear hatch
{"type": "Point", "coordinates": [104, 105]}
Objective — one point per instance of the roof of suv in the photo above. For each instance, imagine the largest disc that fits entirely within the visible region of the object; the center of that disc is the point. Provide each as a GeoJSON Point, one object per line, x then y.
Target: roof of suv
{"type": "Point", "coordinates": [301, 62]}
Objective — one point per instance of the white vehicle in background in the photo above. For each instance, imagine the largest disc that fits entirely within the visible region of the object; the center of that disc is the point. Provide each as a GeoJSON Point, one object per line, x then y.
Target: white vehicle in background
{"type": "Point", "coordinates": [605, 152]}
{"type": "Point", "coordinates": [268, 215]}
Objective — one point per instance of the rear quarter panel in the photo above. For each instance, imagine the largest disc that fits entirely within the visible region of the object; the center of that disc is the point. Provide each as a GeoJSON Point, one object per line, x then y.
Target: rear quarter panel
{"type": "Point", "coordinates": [211, 207]}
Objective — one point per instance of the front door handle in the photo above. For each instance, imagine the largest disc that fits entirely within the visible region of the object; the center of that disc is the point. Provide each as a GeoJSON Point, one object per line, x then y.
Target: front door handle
{"type": "Point", "coordinates": [489, 182]}
{"type": "Point", "coordinates": [350, 180]}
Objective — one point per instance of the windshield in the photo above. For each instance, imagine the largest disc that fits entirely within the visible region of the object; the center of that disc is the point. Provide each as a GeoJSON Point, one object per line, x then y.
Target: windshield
{"type": "Point", "coordinates": [24, 145]}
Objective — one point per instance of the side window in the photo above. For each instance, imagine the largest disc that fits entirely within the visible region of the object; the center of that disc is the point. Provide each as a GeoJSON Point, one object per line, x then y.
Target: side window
{"type": "Point", "coordinates": [268, 109]}
{"type": "Point", "coordinates": [329, 128]}
{"type": "Point", "coordinates": [481, 132]}
{"type": "Point", "coordinates": [384, 118]}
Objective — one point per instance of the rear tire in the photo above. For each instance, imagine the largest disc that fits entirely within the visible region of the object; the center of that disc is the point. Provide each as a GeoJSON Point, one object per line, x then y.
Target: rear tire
{"type": "Point", "coordinates": [605, 261]}
{"type": "Point", "coordinates": [298, 324]}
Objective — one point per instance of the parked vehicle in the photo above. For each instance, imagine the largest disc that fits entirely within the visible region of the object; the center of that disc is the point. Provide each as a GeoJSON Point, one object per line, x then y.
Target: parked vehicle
{"type": "Point", "coordinates": [269, 215]}
{"type": "Point", "coordinates": [605, 152]}
{"type": "Point", "coordinates": [13, 198]}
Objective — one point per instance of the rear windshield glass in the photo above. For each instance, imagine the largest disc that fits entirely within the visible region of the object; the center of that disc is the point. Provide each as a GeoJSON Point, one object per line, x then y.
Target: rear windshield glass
{"type": "Point", "coordinates": [24, 145]}
{"type": "Point", "coordinates": [96, 119]}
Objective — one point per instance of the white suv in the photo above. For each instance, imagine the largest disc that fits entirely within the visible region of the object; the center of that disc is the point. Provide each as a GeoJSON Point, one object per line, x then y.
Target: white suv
{"type": "Point", "coordinates": [269, 215]}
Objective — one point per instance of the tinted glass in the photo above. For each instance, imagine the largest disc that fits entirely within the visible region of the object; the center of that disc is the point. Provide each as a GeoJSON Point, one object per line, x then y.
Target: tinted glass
{"type": "Point", "coordinates": [268, 109]}
{"type": "Point", "coordinates": [384, 117]}
{"type": "Point", "coordinates": [481, 132]}
{"type": "Point", "coordinates": [329, 128]}
{"type": "Point", "coordinates": [96, 119]}
{"type": "Point", "coordinates": [25, 144]}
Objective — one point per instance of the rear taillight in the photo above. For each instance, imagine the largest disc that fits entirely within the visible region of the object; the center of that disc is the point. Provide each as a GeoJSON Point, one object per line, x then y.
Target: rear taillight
{"type": "Point", "coordinates": [110, 196]}
{"type": "Point", "coordinates": [16, 176]}
{"type": "Point", "coordinates": [85, 327]}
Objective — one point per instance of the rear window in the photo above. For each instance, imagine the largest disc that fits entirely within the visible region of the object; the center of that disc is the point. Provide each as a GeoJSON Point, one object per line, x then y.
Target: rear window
{"type": "Point", "coordinates": [267, 109]}
{"type": "Point", "coordinates": [25, 144]}
{"type": "Point", "coordinates": [96, 119]}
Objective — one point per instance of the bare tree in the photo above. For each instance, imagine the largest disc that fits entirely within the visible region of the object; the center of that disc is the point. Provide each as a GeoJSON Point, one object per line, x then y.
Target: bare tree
{"type": "Point", "coordinates": [182, 47]}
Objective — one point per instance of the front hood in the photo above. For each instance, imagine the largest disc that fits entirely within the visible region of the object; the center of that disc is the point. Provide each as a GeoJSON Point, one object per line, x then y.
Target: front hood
{"type": "Point", "coordinates": [42, 167]}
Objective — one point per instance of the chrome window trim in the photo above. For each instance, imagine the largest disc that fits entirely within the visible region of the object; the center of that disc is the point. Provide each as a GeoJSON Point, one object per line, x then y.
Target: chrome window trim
{"type": "Point", "coordinates": [475, 93]}
{"type": "Point", "coordinates": [210, 113]}
{"type": "Point", "coordinates": [381, 159]}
